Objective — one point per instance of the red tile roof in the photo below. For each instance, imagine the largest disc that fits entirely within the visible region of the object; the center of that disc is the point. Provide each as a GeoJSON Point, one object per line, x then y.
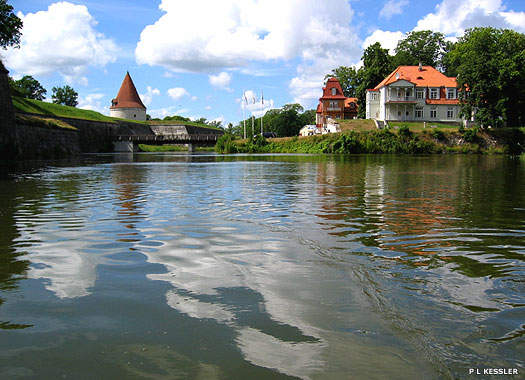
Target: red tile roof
{"type": "Point", "coordinates": [127, 96]}
{"type": "Point", "coordinates": [426, 77]}
{"type": "Point", "coordinates": [327, 90]}
{"type": "Point", "coordinates": [350, 100]}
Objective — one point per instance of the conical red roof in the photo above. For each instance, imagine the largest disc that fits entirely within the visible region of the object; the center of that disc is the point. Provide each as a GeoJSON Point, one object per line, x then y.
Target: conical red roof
{"type": "Point", "coordinates": [127, 96]}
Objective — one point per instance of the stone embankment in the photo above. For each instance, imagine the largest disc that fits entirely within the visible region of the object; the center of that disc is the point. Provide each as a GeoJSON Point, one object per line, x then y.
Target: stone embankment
{"type": "Point", "coordinates": [31, 136]}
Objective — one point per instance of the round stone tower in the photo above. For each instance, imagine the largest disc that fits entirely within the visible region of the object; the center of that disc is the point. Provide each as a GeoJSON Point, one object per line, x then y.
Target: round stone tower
{"type": "Point", "coordinates": [127, 104]}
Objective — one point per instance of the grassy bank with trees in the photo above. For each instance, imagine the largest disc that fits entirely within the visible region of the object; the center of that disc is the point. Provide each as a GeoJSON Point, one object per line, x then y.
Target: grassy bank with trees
{"type": "Point", "coordinates": [404, 140]}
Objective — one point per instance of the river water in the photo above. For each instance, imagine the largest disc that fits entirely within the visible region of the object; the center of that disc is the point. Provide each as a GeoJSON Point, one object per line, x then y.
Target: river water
{"type": "Point", "coordinates": [178, 266]}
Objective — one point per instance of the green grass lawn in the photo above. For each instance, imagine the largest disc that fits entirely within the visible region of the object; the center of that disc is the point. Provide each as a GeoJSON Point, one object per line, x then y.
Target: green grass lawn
{"type": "Point", "coordinates": [420, 126]}
{"type": "Point", "coordinates": [24, 105]}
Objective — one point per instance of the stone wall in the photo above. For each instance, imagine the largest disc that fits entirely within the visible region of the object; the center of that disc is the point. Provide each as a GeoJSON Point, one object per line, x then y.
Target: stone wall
{"type": "Point", "coordinates": [36, 142]}
{"type": "Point", "coordinates": [95, 136]}
{"type": "Point", "coordinates": [8, 141]}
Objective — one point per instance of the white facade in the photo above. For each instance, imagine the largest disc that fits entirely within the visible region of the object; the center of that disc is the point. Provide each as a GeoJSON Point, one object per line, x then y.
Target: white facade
{"type": "Point", "coordinates": [404, 101]}
{"type": "Point", "coordinates": [414, 93]}
{"type": "Point", "coordinates": [128, 113]}
{"type": "Point", "coordinates": [308, 130]}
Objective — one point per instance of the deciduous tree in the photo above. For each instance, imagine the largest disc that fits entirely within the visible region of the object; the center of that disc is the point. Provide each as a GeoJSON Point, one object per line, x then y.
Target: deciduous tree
{"type": "Point", "coordinates": [376, 66]}
{"type": "Point", "coordinates": [490, 65]}
{"type": "Point", "coordinates": [65, 95]}
{"type": "Point", "coordinates": [10, 26]}
{"type": "Point", "coordinates": [27, 87]}
{"type": "Point", "coordinates": [347, 76]}
{"type": "Point", "coordinates": [423, 46]}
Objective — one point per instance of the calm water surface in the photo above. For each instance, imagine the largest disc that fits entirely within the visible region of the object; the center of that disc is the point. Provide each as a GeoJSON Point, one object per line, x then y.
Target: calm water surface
{"type": "Point", "coordinates": [175, 266]}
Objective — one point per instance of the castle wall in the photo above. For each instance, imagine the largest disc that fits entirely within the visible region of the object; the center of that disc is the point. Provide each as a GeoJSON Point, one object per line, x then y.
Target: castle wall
{"type": "Point", "coordinates": [8, 142]}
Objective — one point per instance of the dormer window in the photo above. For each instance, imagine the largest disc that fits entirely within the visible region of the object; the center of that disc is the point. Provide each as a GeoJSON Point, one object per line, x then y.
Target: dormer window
{"type": "Point", "coordinates": [451, 93]}
{"type": "Point", "coordinates": [434, 93]}
{"type": "Point", "coordinates": [334, 91]}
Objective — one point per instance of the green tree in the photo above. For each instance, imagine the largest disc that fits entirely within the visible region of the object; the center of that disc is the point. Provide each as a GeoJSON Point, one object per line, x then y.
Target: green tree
{"type": "Point", "coordinates": [10, 26]}
{"type": "Point", "coordinates": [201, 120]}
{"type": "Point", "coordinates": [424, 46]}
{"type": "Point", "coordinates": [376, 66]}
{"type": "Point", "coordinates": [215, 123]}
{"type": "Point", "coordinates": [347, 76]}
{"type": "Point", "coordinates": [27, 87]}
{"type": "Point", "coordinates": [308, 117]}
{"type": "Point", "coordinates": [490, 77]}
{"type": "Point", "coordinates": [286, 121]}
{"type": "Point", "coordinates": [176, 118]}
{"type": "Point", "coordinates": [447, 66]}
{"type": "Point", "coordinates": [289, 121]}
{"type": "Point", "coordinates": [65, 95]}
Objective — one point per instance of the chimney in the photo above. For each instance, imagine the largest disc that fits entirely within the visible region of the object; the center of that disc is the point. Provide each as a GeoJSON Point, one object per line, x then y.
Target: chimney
{"type": "Point", "coordinates": [420, 66]}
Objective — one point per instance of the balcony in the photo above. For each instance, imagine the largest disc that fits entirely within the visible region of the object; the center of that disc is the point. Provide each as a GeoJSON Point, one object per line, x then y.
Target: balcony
{"type": "Point", "coordinates": [401, 99]}
{"type": "Point", "coordinates": [333, 109]}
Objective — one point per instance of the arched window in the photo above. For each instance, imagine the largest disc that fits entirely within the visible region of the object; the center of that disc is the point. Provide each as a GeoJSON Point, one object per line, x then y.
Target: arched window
{"type": "Point", "coordinates": [334, 90]}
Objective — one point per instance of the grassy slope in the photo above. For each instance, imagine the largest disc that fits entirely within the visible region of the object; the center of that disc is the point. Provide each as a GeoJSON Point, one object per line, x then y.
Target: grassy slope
{"type": "Point", "coordinates": [24, 105]}
{"type": "Point", "coordinates": [42, 121]}
{"type": "Point", "coordinates": [50, 109]}
{"type": "Point", "coordinates": [364, 140]}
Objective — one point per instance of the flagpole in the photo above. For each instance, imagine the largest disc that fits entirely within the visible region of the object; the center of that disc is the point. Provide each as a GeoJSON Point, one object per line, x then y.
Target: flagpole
{"type": "Point", "coordinates": [243, 112]}
{"type": "Point", "coordinates": [253, 116]}
{"type": "Point", "coordinates": [262, 102]}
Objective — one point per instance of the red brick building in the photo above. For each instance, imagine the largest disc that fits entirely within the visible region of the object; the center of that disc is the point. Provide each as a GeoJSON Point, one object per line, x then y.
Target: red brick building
{"type": "Point", "coordinates": [334, 104]}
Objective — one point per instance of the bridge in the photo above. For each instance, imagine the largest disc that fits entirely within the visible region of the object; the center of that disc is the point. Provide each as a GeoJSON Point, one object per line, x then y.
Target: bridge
{"type": "Point", "coordinates": [168, 134]}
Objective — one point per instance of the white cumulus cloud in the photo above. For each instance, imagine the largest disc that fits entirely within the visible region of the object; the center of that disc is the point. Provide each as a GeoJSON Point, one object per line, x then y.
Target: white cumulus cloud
{"type": "Point", "coordinates": [93, 102]}
{"type": "Point", "coordinates": [177, 93]}
{"type": "Point", "coordinates": [237, 34]}
{"type": "Point", "coordinates": [221, 80]}
{"type": "Point", "coordinates": [255, 104]}
{"type": "Point", "coordinates": [61, 39]}
{"type": "Point", "coordinates": [392, 8]}
{"type": "Point", "coordinates": [147, 98]}
{"type": "Point", "coordinates": [452, 17]}
{"type": "Point", "coordinates": [388, 40]}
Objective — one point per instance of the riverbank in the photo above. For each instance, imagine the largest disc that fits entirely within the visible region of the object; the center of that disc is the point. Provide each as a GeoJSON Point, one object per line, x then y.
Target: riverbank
{"type": "Point", "coordinates": [394, 141]}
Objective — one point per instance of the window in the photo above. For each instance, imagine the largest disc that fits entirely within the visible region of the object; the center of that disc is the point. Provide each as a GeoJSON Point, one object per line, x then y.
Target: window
{"type": "Point", "coordinates": [434, 93]}
{"type": "Point", "coordinates": [451, 93]}
{"type": "Point", "coordinates": [420, 94]}
{"type": "Point", "coordinates": [334, 91]}
{"type": "Point", "coordinates": [338, 117]}
{"type": "Point", "coordinates": [374, 96]}
{"type": "Point", "coordinates": [419, 114]}
{"type": "Point", "coordinates": [352, 105]}
{"type": "Point", "coordinates": [450, 113]}
{"type": "Point", "coordinates": [333, 103]}
{"type": "Point", "coordinates": [433, 112]}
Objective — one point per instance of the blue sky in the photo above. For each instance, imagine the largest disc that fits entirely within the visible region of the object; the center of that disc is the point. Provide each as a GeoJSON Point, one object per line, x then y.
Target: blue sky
{"type": "Point", "coordinates": [196, 58]}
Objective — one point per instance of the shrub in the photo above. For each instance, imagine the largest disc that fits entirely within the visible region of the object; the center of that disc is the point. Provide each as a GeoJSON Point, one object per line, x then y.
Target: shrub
{"type": "Point", "coordinates": [404, 131]}
{"type": "Point", "coordinates": [225, 144]}
{"type": "Point", "coordinates": [437, 134]}
{"type": "Point", "coordinates": [470, 134]}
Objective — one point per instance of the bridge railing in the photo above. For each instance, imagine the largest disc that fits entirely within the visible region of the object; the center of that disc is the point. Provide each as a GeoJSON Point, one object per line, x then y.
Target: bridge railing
{"type": "Point", "coordinates": [169, 138]}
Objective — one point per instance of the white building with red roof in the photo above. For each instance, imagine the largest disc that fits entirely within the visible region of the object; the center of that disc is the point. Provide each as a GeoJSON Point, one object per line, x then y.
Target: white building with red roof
{"type": "Point", "coordinates": [127, 104]}
{"type": "Point", "coordinates": [414, 93]}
